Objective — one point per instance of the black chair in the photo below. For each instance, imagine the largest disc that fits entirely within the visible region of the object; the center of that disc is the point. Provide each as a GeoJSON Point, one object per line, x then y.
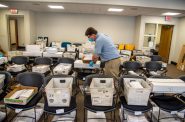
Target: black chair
{"type": "Point", "coordinates": [132, 108]}
{"type": "Point", "coordinates": [77, 44]}
{"type": "Point", "coordinates": [44, 61]}
{"type": "Point", "coordinates": [153, 68]}
{"type": "Point", "coordinates": [20, 60]}
{"type": "Point", "coordinates": [132, 66]}
{"type": "Point", "coordinates": [7, 79]}
{"type": "Point", "coordinates": [66, 110]}
{"type": "Point", "coordinates": [66, 60]}
{"type": "Point", "coordinates": [156, 58]}
{"type": "Point", "coordinates": [87, 99]}
{"type": "Point", "coordinates": [167, 103]}
{"type": "Point", "coordinates": [32, 79]}
{"type": "Point", "coordinates": [182, 96]}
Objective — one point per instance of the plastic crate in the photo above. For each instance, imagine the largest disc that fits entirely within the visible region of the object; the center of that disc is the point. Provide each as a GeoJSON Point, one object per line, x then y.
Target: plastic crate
{"type": "Point", "coordinates": [59, 91]}
{"type": "Point", "coordinates": [102, 90]}
{"type": "Point", "coordinates": [136, 96]}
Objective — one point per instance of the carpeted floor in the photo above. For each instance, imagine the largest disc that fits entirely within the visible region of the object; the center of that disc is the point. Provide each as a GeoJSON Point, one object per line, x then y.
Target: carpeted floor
{"type": "Point", "coordinates": [172, 72]}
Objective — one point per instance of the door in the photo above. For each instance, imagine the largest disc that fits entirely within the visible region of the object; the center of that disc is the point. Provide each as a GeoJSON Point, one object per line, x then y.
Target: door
{"type": "Point", "coordinates": [13, 34]}
{"type": "Point", "coordinates": [165, 41]}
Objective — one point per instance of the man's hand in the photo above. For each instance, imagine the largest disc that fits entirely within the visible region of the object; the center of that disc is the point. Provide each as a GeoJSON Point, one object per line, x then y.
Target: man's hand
{"type": "Point", "coordinates": [95, 58]}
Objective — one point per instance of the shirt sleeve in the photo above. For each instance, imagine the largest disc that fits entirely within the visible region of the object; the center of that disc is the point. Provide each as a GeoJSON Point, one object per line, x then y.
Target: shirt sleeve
{"type": "Point", "coordinates": [98, 47]}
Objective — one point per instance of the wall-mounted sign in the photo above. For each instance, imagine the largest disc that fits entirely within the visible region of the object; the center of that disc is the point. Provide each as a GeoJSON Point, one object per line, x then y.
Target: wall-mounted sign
{"type": "Point", "coordinates": [168, 18]}
{"type": "Point", "coordinates": [14, 11]}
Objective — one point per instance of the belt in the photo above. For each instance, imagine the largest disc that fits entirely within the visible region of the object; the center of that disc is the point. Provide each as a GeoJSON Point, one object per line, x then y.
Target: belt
{"type": "Point", "coordinates": [111, 59]}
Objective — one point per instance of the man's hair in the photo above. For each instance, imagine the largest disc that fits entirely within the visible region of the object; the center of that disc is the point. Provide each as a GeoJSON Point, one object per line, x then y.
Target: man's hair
{"type": "Point", "coordinates": [90, 31]}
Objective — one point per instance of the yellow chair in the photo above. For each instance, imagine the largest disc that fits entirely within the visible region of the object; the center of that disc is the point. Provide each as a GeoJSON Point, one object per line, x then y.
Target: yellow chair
{"type": "Point", "coordinates": [121, 47]}
{"type": "Point", "coordinates": [129, 47]}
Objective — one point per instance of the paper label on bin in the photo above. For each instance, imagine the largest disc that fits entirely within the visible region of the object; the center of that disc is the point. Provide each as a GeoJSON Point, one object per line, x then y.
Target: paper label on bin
{"type": "Point", "coordinates": [99, 113]}
{"type": "Point", "coordinates": [137, 113]}
{"type": "Point", "coordinates": [18, 110]}
{"type": "Point", "coordinates": [173, 112]}
{"type": "Point", "coordinates": [60, 111]}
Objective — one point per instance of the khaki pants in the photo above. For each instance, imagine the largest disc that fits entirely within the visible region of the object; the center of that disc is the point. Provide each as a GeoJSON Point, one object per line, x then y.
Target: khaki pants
{"type": "Point", "coordinates": [112, 68]}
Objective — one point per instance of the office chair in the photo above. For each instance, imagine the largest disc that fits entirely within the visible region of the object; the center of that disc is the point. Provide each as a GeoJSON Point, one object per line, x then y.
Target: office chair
{"type": "Point", "coordinates": [87, 99]}
{"type": "Point", "coordinates": [167, 103]}
{"type": "Point", "coordinates": [32, 79]}
{"type": "Point", "coordinates": [131, 68]}
{"type": "Point", "coordinates": [132, 108]}
{"type": "Point", "coordinates": [44, 61]}
{"type": "Point", "coordinates": [156, 58]}
{"type": "Point", "coordinates": [52, 110]}
{"type": "Point", "coordinates": [20, 60]}
{"type": "Point", "coordinates": [153, 68]}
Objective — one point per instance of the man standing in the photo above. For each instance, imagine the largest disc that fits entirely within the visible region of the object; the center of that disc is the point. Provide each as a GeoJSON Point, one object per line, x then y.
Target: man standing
{"type": "Point", "coordinates": [106, 50]}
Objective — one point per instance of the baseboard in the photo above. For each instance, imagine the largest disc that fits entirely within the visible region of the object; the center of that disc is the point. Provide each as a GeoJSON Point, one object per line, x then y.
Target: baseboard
{"type": "Point", "coordinates": [173, 62]}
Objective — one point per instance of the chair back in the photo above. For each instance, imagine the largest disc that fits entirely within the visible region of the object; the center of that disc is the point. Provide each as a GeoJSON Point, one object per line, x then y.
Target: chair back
{"type": "Point", "coordinates": [31, 79]}
{"type": "Point", "coordinates": [20, 60]}
{"type": "Point", "coordinates": [43, 60]}
{"type": "Point", "coordinates": [132, 65]}
{"type": "Point", "coordinates": [153, 66]}
{"type": "Point", "coordinates": [88, 79]}
{"type": "Point", "coordinates": [156, 58]}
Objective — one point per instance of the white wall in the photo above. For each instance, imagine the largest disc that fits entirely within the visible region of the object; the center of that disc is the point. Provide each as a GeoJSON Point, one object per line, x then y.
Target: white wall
{"type": "Point", "coordinates": [21, 33]}
{"type": "Point", "coordinates": [159, 20]}
{"type": "Point", "coordinates": [180, 38]}
{"type": "Point", "coordinates": [29, 31]}
{"type": "Point", "coordinates": [72, 27]}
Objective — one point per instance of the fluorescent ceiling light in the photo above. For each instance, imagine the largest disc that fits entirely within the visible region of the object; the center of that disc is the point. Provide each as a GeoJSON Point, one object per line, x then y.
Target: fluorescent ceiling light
{"type": "Point", "coordinates": [115, 9]}
{"type": "Point", "coordinates": [3, 6]}
{"type": "Point", "coordinates": [55, 7]}
{"type": "Point", "coordinates": [170, 14]}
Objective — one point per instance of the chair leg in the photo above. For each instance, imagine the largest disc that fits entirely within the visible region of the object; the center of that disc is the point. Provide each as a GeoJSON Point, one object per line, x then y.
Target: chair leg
{"type": "Point", "coordinates": [6, 118]}
{"type": "Point", "coordinates": [35, 114]}
{"type": "Point", "coordinates": [151, 115]}
{"type": "Point", "coordinates": [76, 116]}
{"type": "Point", "coordinates": [159, 115]}
{"type": "Point", "coordinates": [114, 115]}
{"type": "Point", "coordinates": [84, 114]}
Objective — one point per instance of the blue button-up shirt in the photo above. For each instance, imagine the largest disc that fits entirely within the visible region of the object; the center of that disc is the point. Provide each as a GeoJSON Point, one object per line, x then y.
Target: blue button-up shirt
{"type": "Point", "coordinates": [105, 48]}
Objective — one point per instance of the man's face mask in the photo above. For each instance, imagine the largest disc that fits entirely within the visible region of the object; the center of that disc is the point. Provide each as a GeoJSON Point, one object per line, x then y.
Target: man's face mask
{"type": "Point", "coordinates": [91, 39]}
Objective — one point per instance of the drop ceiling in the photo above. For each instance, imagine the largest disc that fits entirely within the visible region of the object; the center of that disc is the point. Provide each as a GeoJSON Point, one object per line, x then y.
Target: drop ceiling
{"type": "Point", "coordinates": [132, 9]}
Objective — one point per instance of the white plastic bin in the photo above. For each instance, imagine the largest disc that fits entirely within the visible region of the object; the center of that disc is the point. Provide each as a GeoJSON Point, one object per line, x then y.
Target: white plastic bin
{"type": "Point", "coordinates": [136, 95]}
{"type": "Point", "coordinates": [59, 91]}
{"type": "Point", "coordinates": [102, 90]}
{"type": "Point", "coordinates": [2, 78]}
{"type": "Point", "coordinates": [62, 68]}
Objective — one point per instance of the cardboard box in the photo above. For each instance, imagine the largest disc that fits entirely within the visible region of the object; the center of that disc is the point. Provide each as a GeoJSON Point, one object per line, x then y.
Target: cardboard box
{"type": "Point", "coordinates": [2, 78]}
{"type": "Point", "coordinates": [166, 85]}
{"type": "Point", "coordinates": [125, 58]}
{"type": "Point", "coordinates": [136, 95]}
{"type": "Point", "coordinates": [143, 59]}
{"type": "Point", "coordinates": [32, 54]}
{"type": "Point", "coordinates": [62, 68]}
{"type": "Point", "coordinates": [53, 55]}
{"type": "Point", "coordinates": [16, 68]}
{"type": "Point", "coordinates": [71, 48]}
{"type": "Point", "coordinates": [40, 68]}
{"type": "Point", "coordinates": [181, 61]}
{"type": "Point", "coordinates": [3, 60]}
{"type": "Point", "coordinates": [14, 53]}
{"type": "Point", "coordinates": [51, 50]}
{"type": "Point", "coordinates": [102, 90]}
{"type": "Point", "coordinates": [79, 64]}
{"type": "Point", "coordinates": [69, 55]}
{"type": "Point", "coordinates": [9, 100]}
{"type": "Point", "coordinates": [33, 48]}
{"type": "Point", "coordinates": [126, 52]}
{"type": "Point", "coordinates": [87, 58]}
{"type": "Point", "coordinates": [59, 91]}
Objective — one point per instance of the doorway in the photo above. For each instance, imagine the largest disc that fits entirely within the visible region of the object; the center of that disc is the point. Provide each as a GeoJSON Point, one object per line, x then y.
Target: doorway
{"type": "Point", "coordinates": [16, 32]}
{"type": "Point", "coordinates": [13, 34]}
{"type": "Point", "coordinates": [165, 41]}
